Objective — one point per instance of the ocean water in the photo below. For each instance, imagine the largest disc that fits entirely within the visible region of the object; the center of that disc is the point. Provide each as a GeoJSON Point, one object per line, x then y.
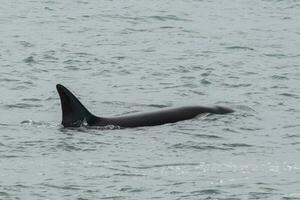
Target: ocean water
{"type": "Point", "coordinates": [123, 57]}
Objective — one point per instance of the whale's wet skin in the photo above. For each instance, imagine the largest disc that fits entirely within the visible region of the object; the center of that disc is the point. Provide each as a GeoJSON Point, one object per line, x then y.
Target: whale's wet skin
{"type": "Point", "coordinates": [75, 114]}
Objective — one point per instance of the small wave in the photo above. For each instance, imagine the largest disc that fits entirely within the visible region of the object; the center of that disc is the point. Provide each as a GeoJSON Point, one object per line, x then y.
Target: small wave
{"type": "Point", "coordinates": [34, 123]}
{"type": "Point", "coordinates": [19, 185]}
{"type": "Point", "coordinates": [113, 197]}
{"type": "Point", "coordinates": [157, 105]}
{"type": "Point", "coordinates": [240, 47]}
{"type": "Point", "coordinates": [295, 143]}
{"type": "Point", "coordinates": [9, 80]}
{"type": "Point", "coordinates": [31, 99]}
{"type": "Point", "coordinates": [23, 105]}
{"type": "Point", "coordinates": [136, 30]}
{"type": "Point", "coordinates": [73, 130]}
{"type": "Point", "coordinates": [250, 128]}
{"type": "Point", "coordinates": [30, 60]}
{"type": "Point", "coordinates": [260, 195]}
{"type": "Point", "coordinates": [11, 156]}
{"type": "Point", "coordinates": [5, 194]}
{"type": "Point", "coordinates": [117, 103]}
{"type": "Point", "coordinates": [30, 143]}
{"type": "Point", "coordinates": [48, 8]}
{"type": "Point", "coordinates": [206, 136]}
{"type": "Point", "coordinates": [199, 147]}
{"type": "Point", "coordinates": [165, 165]}
{"type": "Point", "coordinates": [26, 44]}
{"type": "Point", "coordinates": [110, 127]}
{"type": "Point", "coordinates": [237, 85]}
{"type": "Point", "coordinates": [289, 95]}
{"type": "Point", "coordinates": [205, 82]}
{"type": "Point", "coordinates": [148, 105]}
{"type": "Point", "coordinates": [268, 189]}
{"type": "Point", "coordinates": [72, 67]}
{"type": "Point", "coordinates": [129, 174]}
{"type": "Point", "coordinates": [71, 61]}
{"type": "Point", "coordinates": [206, 192]}
{"type": "Point", "coordinates": [167, 27]}
{"type": "Point", "coordinates": [83, 54]}
{"type": "Point", "coordinates": [119, 57]}
{"type": "Point", "coordinates": [233, 145]}
{"type": "Point", "coordinates": [23, 85]}
{"type": "Point", "coordinates": [293, 135]}
{"type": "Point", "coordinates": [149, 50]}
{"type": "Point", "coordinates": [84, 127]}
{"type": "Point", "coordinates": [297, 197]}
{"type": "Point", "coordinates": [68, 187]}
{"type": "Point", "coordinates": [276, 55]}
{"type": "Point", "coordinates": [130, 189]}
{"type": "Point", "coordinates": [167, 18]}
{"type": "Point", "coordinates": [67, 147]}
{"type": "Point", "coordinates": [50, 58]}
{"type": "Point", "coordinates": [230, 130]}
{"type": "Point", "coordinates": [197, 92]}
{"type": "Point", "coordinates": [278, 77]}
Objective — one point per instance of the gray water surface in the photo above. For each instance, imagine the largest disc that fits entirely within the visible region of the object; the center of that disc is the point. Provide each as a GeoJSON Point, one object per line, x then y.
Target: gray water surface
{"type": "Point", "coordinates": [123, 57]}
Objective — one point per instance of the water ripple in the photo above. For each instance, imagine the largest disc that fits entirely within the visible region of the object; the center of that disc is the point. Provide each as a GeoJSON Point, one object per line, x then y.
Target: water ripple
{"type": "Point", "coordinates": [30, 60]}
{"type": "Point", "coordinates": [206, 192]}
{"type": "Point", "coordinates": [290, 95]}
{"type": "Point", "coordinates": [8, 80]}
{"type": "Point", "coordinates": [207, 136]}
{"type": "Point", "coordinates": [5, 194]}
{"type": "Point", "coordinates": [237, 85]}
{"type": "Point", "coordinates": [238, 145]}
{"type": "Point", "coordinates": [131, 189]}
{"type": "Point", "coordinates": [32, 99]}
{"type": "Point", "coordinates": [129, 175]}
{"type": "Point", "coordinates": [113, 197]}
{"type": "Point", "coordinates": [65, 187]}
{"type": "Point", "coordinates": [167, 18]}
{"type": "Point", "coordinates": [240, 47]}
{"type": "Point", "coordinates": [200, 146]}
{"type": "Point", "coordinates": [23, 106]}
{"type": "Point", "coordinates": [163, 165]}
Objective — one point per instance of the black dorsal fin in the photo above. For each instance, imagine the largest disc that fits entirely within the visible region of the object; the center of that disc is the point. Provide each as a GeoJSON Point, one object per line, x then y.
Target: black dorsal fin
{"type": "Point", "coordinates": [74, 114]}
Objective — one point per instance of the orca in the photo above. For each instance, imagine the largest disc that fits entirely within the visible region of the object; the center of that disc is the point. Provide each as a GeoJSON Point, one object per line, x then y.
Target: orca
{"type": "Point", "coordinates": [74, 114]}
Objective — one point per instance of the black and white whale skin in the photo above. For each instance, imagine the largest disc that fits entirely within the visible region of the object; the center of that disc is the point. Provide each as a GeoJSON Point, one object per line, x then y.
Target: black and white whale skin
{"type": "Point", "coordinates": [74, 114]}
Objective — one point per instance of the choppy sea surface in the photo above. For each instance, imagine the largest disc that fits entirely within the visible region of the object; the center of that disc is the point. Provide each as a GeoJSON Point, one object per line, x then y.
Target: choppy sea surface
{"type": "Point", "coordinates": [123, 57]}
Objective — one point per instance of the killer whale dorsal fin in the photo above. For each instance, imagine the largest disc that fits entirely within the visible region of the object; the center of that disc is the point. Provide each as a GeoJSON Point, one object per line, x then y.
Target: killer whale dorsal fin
{"type": "Point", "coordinates": [73, 112]}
